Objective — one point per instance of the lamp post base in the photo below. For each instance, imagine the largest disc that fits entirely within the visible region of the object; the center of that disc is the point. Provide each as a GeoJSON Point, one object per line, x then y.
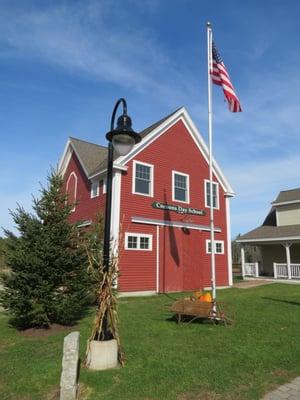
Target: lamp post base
{"type": "Point", "coordinates": [102, 354]}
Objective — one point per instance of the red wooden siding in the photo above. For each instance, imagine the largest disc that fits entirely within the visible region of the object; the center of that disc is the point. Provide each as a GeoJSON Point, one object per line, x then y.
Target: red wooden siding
{"type": "Point", "coordinates": [184, 264]}
{"type": "Point", "coordinates": [138, 267]}
{"type": "Point", "coordinates": [86, 208]}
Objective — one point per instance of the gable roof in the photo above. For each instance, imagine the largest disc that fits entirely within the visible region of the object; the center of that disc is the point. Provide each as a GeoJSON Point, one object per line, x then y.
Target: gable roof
{"type": "Point", "coordinates": [160, 128]}
{"type": "Point", "coordinates": [90, 154]}
{"type": "Point", "coordinates": [93, 157]}
{"type": "Point", "coordinates": [268, 233]}
{"type": "Point", "coordinates": [101, 165]}
{"type": "Point", "coordinates": [287, 196]}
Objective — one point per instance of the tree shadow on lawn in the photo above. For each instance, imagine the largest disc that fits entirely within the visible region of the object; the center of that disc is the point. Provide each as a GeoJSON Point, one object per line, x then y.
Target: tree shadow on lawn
{"type": "Point", "coordinates": [187, 320]}
{"type": "Point", "coordinates": [294, 303]}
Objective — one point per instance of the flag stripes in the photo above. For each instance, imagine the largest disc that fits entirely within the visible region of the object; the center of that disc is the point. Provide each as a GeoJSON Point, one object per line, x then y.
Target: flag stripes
{"type": "Point", "coordinates": [220, 76]}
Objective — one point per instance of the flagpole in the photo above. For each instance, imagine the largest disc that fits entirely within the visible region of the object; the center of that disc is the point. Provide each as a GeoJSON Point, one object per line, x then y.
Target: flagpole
{"type": "Point", "coordinates": [212, 236]}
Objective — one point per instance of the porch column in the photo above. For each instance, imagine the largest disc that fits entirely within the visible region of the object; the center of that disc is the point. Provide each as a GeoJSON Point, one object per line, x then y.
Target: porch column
{"type": "Point", "coordinates": [288, 258]}
{"type": "Point", "coordinates": [243, 260]}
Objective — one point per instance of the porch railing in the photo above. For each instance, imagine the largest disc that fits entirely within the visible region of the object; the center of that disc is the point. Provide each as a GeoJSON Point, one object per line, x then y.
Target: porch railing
{"type": "Point", "coordinates": [281, 271]}
{"type": "Point", "coordinates": [251, 269]}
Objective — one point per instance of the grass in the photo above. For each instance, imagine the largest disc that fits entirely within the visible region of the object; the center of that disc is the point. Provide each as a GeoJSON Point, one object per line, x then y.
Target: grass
{"type": "Point", "coordinates": [166, 361]}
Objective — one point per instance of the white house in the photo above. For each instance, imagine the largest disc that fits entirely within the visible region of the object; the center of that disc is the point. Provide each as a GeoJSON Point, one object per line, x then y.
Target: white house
{"type": "Point", "coordinates": [278, 238]}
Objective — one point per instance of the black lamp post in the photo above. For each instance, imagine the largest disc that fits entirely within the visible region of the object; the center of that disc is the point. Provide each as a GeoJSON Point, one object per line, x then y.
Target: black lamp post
{"type": "Point", "coordinates": [121, 139]}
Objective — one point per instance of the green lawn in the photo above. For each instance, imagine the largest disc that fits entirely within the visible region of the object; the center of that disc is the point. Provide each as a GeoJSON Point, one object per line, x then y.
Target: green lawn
{"type": "Point", "coordinates": [167, 361]}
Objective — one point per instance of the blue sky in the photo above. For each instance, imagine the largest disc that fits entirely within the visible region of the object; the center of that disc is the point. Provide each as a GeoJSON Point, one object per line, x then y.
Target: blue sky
{"type": "Point", "coordinates": [65, 63]}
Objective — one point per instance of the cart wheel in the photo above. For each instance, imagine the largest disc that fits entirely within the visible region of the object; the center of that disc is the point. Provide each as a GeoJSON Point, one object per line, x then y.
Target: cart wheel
{"type": "Point", "coordinates": [226, 313]}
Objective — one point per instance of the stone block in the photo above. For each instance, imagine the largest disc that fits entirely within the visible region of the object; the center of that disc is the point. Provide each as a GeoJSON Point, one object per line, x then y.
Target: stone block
{"type": "Point", "coordinates": [69, 375]}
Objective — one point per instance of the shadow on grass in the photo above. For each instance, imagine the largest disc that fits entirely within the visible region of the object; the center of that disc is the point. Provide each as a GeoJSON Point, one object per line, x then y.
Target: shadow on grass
{"type": "Point", "coordinates": [23, 324]}
{"type": "Point", "coordinates": [294, 303]}
{"type": "Point", "coordinates": [187, 320]}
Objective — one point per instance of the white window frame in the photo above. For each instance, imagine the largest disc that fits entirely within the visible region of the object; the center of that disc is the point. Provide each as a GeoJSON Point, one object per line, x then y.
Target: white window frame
{"type": "Point", "coordinates": [187, 201]}
{"type": "Point", "coordinates": [104, 185]}
{"type": "Point", "coordinates": [215, 242]}
{"type": "Point", "coordinates": [67, 188]}
{"type": "Point", "coordinates": [135, 162]}
{"type": "Point", "coordinates": [206, 181]}
{"type": "Point", "coordinates": [138, 236]}
{"type": "Point", "coordinates": [93, 184]}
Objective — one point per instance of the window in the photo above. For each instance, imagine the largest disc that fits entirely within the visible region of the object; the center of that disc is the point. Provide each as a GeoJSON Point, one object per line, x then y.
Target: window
{"type": "Point", "coordinates": [142, 178]}
{"type": "Point", "coordinates": [180, 187]}
{"type": "Point", "coordinates": [219, 246]}
{"type": "Point", "coordinates": [104, 185]}
{"type": "Point", "coordinates": [138, 241]}
{"type": "Point", "coordinates": [94, 189]}
{"type": "Point", "coordinates": [71, 189]}
{"type": "Point", "coordinates": [215, 189]}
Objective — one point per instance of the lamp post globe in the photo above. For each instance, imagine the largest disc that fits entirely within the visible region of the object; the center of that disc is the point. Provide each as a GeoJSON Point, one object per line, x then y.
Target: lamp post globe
{"type": "Point", "coordinates": [121, 139]}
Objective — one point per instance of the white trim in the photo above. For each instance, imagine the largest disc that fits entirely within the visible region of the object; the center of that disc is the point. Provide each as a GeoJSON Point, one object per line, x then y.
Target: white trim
{"type": "Point", "coordinates": [187, 201]}
{"type": "Point", "coordinates": [67, 186]}
{"type": "Point", "coordinates": [95, 183]}
{"type": "Point", "coordinates": [243, 261]}
{"type": "Point", "coordinates": [218, 287]}
{"type": "Point", "coordinates": [65, 158]}
{"type": "Point", "coordinates": [229, 254]}
{"type": "Point", "coordinates": [138, 236]}
{"type": "Point", "coordinates": [62, 162]}
{"type": "Point", "coordinates": [137, 294]}
{"type": "Point", "coordinates": [85, 223]}
{"type": "Point", "coordinates": [285, 203]}
{"type": "Point", "coordinates": [207, 242]}
{"type": "Point", "coordinates": [182, 115]}
{"type": "Point", "coordinates": [268, 239]}
{"type": "Point", "coordinates": [104, 185]}
{"type": "Point", "coordinates": [150, 221]}
{"type": "Point", "coordinates": [157, 259]}
{"type": "Point", "coordinates": [116, 167]}
{"type": "Point", "coordinates": [115, 210]}
{"type": "Point", "coordinates": [151, 166]}
{"type": "Point", "coordinates": [217, 194]}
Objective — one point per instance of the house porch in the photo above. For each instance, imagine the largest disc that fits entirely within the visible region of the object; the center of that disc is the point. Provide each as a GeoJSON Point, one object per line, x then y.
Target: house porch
{"type": "Point", "coordinates": [277, 260]}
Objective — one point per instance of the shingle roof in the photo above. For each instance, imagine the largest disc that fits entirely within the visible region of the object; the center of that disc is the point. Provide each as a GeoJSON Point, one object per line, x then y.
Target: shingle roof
{"type": "Point", "coordinates": [271, 232]}
{"type": "Point", "coordinates": [89, 153]}
{"type": "Point", "coordinates": [288, 195]}
{"type": "Point", "coordinates": [94, 157]}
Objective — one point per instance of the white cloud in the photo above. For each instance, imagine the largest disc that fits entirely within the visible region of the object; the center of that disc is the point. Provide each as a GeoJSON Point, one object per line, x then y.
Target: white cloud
{"type": "Point", "coordinates": [82, 41]}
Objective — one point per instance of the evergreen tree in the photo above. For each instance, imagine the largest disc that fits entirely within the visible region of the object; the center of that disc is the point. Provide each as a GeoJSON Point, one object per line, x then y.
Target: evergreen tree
{"type": "Point", "coordinates": [48, 280]}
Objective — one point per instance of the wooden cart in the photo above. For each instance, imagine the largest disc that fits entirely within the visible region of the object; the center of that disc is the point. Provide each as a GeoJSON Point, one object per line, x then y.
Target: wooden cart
{"type": "Point", "coordinates": [196, 309]}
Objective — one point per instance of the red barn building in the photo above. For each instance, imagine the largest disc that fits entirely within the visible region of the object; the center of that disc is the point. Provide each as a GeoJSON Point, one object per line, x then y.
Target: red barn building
{"type": "Point", "coordinates": [161, 204]}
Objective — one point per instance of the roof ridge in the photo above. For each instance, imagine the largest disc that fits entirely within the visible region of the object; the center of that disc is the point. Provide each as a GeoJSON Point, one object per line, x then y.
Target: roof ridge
{"type": "Point", "coordinates": [85, 141]}
{"type": "Point", "coordinates": [290, 190]}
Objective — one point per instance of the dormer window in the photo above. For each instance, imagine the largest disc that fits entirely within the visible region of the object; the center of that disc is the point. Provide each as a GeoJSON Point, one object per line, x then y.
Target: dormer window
{"type": "Point", "coordinates": [94, 189]}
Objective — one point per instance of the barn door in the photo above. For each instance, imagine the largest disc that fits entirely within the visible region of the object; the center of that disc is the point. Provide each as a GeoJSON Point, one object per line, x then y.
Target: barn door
{"type": "Point", "coordinates": [192, 260]}
{"type": "Point", "coordinates": [171, 267]}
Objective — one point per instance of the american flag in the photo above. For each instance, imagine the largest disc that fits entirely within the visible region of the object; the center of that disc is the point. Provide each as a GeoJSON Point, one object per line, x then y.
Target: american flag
{"type": "Point", "coordinates": [221, 77]}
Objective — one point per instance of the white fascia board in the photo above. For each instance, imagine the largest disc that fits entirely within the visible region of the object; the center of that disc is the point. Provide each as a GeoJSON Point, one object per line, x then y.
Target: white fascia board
{"type": "Point", "coordinates": [205, 152]}
{"type": "Point", "coordinates": [64, 161]}
{"type": "Point", "coordinates": [175, 224]}
{"type": "Point", "coordinates": [65, 158]}
{"type": "Point", "coordinates": [116, 167]}
{"type": "Point", "coordinates": [280, 239]}
{"type": "Point", "coordinates": [285, 203]}
{"type": "Point", "coordinates": [183, 115]}
{"type": "Point", "coordinates": [156, 133]}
